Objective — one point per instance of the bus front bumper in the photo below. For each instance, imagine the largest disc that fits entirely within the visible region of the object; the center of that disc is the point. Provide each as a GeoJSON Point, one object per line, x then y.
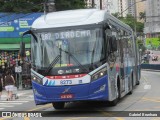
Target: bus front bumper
{"type": "Point", "coordinates": [94, 91]}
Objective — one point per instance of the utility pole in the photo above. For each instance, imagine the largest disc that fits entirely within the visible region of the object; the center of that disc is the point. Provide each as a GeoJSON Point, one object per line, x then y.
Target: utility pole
{"type": "Point", "coordinates": [100, 4]}
{"type": "Point", "coordinates": [93, 4]}
{"type": "Point", "coordinates": [135, 16]}
{"type": "Point", "coordinates": [49, 6]}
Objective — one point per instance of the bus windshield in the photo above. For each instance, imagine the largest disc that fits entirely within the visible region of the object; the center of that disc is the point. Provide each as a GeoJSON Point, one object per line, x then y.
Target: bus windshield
{"type": "Point", "coordinates": [85, 45]}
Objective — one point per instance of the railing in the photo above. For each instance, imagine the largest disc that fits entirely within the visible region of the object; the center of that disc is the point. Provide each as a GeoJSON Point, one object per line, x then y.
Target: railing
{"type": "Point", "coordinates": [150, 66]}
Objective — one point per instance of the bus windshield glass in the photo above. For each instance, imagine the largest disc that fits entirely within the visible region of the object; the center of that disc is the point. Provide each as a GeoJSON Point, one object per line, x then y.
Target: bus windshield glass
{"type": "Point", "coordinates": [85, 45]}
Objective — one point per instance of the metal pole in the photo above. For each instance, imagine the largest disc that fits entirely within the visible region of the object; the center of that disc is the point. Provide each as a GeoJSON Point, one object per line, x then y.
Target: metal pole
{"type": "Point", "coordinates": [135, 9]}
{"type": "Point", "coordinates": [93, 4]}
{"type": "Point", "coordinates": [100, 4]}
{"type": "Point", "coordinates": [20, 81]}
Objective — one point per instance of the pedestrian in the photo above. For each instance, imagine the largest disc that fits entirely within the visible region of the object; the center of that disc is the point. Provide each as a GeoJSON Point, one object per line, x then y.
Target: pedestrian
{"type": "Point", "coordinates": [9, 85]}
{"type": "Point", "coordinates": [1, 85]}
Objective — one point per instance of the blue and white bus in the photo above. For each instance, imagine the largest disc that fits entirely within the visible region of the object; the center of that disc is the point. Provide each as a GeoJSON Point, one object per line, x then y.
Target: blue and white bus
{"type": "Point", "coordinates": [82, 55]}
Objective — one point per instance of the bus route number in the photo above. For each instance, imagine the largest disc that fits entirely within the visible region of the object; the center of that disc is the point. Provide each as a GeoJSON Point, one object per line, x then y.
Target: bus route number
{"type": "Point", "coordinates": [66, 82]}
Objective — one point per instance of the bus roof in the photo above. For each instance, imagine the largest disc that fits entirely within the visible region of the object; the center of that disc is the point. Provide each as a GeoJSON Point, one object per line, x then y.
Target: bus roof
{"type": "Point", "coordinates": [73, 18]}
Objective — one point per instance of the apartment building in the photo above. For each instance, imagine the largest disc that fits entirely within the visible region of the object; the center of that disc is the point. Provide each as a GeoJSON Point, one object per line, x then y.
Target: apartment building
{"type": "Point", "coordinates": [131, 7]}
{"type": "Point", "coordinates": [152, 25]}
{"type": "Point", "coordinates": [110, 5]}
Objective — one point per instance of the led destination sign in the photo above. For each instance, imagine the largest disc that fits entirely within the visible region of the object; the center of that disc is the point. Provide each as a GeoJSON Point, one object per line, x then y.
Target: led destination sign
{"type": "Point", "coordinates": [66, 34]}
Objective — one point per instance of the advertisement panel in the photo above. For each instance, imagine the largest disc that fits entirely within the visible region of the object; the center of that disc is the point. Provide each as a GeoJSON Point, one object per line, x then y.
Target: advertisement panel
{"type": "Point", "coordinates": [12, 24]}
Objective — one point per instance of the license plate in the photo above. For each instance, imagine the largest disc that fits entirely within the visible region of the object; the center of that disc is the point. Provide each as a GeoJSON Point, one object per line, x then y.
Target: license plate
{"type": "Point", "coordinates": [66, 96]}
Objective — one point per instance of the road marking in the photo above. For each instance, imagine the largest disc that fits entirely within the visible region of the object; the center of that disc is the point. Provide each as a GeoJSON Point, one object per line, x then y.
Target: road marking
{"type": "Point", "coordinates": [38, 108]}
{"type": "Point", "coordinates": [145, 79]}
{"type": "Point", "coordinates": [11, 103]}
{"type": "Point", "coordinates": [26, 118]}
{"type": "Point", "coordinates": [77, 118]}
{"type": "Point", "coordinates": [155, 119]}
{"type": "Point", "coordinates": [107, 114]}
{"type": "Point", "coordinates": [118, 118]}
{"type": "Point", "coordinates": [6, 106]}
{"type": "Point", "coordinates": [157, 107]}
{"type": "Point", "coordinates": [152, 100]}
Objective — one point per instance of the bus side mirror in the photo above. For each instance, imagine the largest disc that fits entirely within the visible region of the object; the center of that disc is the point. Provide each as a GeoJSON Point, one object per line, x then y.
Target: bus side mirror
{"type": "Point", "coordinates": [113, 43]}
{"type": "Point", "coordinates": [22, 49]}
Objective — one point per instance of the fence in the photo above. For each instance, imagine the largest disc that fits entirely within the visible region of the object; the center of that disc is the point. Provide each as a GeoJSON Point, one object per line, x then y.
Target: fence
{"type": "Point", "coordinates": [151, 66]}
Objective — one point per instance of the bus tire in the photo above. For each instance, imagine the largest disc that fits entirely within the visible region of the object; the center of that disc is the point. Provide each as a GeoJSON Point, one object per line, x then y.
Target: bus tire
{"type": "Point", "coordinates": [58, 105]}
{"type": "Point", "coordinates": [131, 91]}
{"type": "Point", "coordinates": [114, 102]}
{"type": "Point", "coordinates": [138, 82]}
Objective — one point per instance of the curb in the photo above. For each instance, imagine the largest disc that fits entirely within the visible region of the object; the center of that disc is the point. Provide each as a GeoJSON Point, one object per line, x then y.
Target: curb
{"type": "Point", "coordinates": [150, 70]}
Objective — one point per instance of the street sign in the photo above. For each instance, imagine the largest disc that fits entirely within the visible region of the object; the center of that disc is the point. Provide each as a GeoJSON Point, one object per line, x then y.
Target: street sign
{"type": "Point", "coordinates": [18, 69]}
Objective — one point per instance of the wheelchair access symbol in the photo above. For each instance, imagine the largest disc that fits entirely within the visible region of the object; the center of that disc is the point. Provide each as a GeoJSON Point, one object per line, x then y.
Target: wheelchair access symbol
{"type": "Point", "coordinates": [6, 114]}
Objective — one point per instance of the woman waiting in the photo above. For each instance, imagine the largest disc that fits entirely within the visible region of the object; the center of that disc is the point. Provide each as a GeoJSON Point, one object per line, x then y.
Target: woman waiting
{"type": "Point", "coordinates": [9, 85]}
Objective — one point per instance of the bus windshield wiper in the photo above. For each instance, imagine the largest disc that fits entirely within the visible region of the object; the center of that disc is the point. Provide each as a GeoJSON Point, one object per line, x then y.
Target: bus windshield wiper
{"type": "Point", "coordinates": [74, 58]}
{"type": "Point", "coordinates": [52, 64]}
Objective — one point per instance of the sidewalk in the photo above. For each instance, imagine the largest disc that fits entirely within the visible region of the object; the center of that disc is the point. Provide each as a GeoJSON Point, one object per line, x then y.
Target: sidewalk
{"type": "Point", "coordinates": [19, 93]}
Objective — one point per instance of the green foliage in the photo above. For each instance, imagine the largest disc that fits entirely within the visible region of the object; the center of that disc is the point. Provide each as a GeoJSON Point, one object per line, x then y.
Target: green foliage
{"type": "Point", "coordinates": [69, 4]}
{"type": "Point", "coordinates": [26, 6]}
{"type": "Point", "coordinates": [141, 45]}
{"type": "Point", "coordinates": [20, 6]}
{"type": "Point", "coordinates": [115, 14]}
{"type": "Point", "coordinates": [142, 16]}
{"type": "Point", "coordinates": [139, 26]}
{"type": "Point", "coordinates": [153, 42]}
{"type": "Point", "coordinates": [132, 22]}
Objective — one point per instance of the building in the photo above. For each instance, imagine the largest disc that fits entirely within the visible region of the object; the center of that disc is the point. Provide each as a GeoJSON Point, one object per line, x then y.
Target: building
{"type": "Point", "coordinates": [122, 7]}
{"type": "Point", "coordinates": [89, 3]}
{"type": "Point", "coordinates": [140, 7]}
{"type": "Point", "coordinates": [152, 25]}
{"type": "Point", "coordinates": [110, 5]}
{"type": "Point", "coordinates": [132, 7]}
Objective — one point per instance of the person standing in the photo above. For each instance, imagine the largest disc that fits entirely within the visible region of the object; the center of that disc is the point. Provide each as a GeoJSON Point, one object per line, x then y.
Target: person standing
{"type": "Point", "coordinates": [1, 85]}
{"type": "Point", "coordinates": [9, 85]}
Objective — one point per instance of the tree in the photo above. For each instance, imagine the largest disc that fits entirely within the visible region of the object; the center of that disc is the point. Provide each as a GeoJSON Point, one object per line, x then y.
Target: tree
{"type": "Point", "coordinates": [129, 20]}
{"type": "Point", "coordinates": [26, 6]}
{"type": "Point", "coordinates": [132, 22]}
{"type": "Point", "coordinates": [142, 16]}
{"type": "Point", "coordinates": [141, 46]}
{"type": "Point", "coordinates": [116, 14]}
{"type": "Point", "coordinates": [20, 6]}
{"type": "Point", "coordinates": [69, 4]}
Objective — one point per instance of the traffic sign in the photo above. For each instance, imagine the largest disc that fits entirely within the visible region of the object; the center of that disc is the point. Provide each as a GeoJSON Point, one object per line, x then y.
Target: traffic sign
{"type": "Point", "coordinates": [18, 69]}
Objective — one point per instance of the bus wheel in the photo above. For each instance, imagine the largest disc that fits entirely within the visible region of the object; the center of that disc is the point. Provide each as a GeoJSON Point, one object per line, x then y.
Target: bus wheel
{"type": "Point", "coordinates": [114, 102]}
{"type": "Point", "coordinates": [131, 91]}
{"type": "Point", "coordinates": [138, 82]}
{"type": "Point", "coordinates": [58, 105]}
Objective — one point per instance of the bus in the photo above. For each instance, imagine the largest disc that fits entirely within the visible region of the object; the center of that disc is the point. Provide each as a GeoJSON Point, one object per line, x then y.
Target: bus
{"type": "Point", "coordinates": [81, 55]}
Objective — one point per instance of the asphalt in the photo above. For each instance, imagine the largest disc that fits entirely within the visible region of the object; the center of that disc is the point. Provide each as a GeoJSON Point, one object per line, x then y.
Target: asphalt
{"type": "Point", "coordinates": [19, 93]}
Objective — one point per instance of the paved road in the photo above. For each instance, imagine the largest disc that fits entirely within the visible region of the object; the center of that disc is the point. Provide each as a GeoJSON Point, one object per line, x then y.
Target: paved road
{"type": "Point", "coordinates": [25, 97]}
{"type": "Point", "coordinates": [145, 97]}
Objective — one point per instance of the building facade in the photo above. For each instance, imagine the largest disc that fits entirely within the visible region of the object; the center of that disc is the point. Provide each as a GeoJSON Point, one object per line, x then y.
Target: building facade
{"type": "Point", "coordinates": [140, 7]}
{"type": "Point", "coordinates": [88, 3]}
{"type": "Point", "coordinates": [123, 7]}
{"type": "Point", "coordinates": [132, 7]}
{"type": "Point", "coordinates": [112, 6]}
{"type": "Point", "coordinates": [152, 25]}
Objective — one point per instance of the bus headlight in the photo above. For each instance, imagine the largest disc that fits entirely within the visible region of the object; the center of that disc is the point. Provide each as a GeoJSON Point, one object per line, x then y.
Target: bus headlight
{"type": "Point", "coordinates": [37, 79]}
{"type": "Point", "coordinates": [99, 74]}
